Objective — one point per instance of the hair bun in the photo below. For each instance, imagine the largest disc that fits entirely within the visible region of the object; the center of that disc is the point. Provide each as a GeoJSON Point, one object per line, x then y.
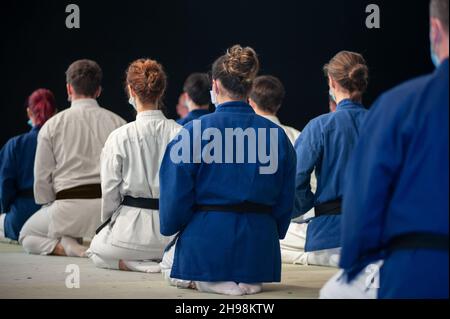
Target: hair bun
{"type": "Point", "coordinates": [153, 75]}
{"type": "Point", "coordinates": [241, 62]}
{"type": "Point", "coordinates": [148, 79]}
{"type": "Point", "coordinates": [359, 77]}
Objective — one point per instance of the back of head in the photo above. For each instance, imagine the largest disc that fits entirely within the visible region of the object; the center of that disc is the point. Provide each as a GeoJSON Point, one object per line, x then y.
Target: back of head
{"type": "Point", "coordinates": [439, 10]}
{"type": "Point", "coordinates": [197, 86]}
{"type": "Point", "coordinates": [350, 71]}
{"type": "Point", "coordinates": [236, 71]}
{"type": "Point", "coordinates": [268, 93]}
{"type": "Point", "coordinates": [148, 80]}
{"type": "Point", "coordinates": [42, 105]}
{"type": "Point", "coordinates": [85, 77]}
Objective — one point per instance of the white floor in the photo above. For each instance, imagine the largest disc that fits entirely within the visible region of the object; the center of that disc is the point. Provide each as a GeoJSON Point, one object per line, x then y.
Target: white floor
{"type": "Point", "coordinates": [27, 276]}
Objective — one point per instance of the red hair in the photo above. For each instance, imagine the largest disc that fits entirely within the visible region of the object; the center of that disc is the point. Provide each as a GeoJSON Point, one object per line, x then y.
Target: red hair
{"type": "Point", "coordinates": [42, 105]}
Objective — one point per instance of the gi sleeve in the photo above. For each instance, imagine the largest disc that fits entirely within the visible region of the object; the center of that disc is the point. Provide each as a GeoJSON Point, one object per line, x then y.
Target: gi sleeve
{"type": "Point", "coordinates": [44, 166]}
{"type": "Point", "coordinates": [309, 148]}
{"type": "Point", "coordinates": [8, 171]}
{"type": "Point", "coordinates": [370, 183]}
{"type": "Point", "coordinates": [177, 181]}
{"type": "Point", "coordinates": [284, 207]}
{"type": "Point", "coordinates": [111, 179]}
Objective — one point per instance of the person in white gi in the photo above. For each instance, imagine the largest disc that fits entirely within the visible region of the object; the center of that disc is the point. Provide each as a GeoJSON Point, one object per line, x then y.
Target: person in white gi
{"type": "Point", "coordinates": [130, 161]}
{"type": "Point", "coordinates": [67, 168]}
{"type": "Point", "coordinates": [266, 98]}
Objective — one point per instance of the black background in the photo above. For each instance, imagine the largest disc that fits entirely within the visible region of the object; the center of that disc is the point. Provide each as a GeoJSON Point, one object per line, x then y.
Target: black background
{"type": "Point", "coordinates": [293, 39]}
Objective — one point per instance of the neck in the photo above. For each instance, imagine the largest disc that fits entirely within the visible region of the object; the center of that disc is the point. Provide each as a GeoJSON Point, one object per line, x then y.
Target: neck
{"type": "Point", "coordinates": [80, 97]}
{"type": "Point", "coordinates": [146, 107]}
{"type": "Point", "coordinates": [194, 107]}
{"type": "Point", "coordinates": [263, 113]}
{"type": "Point", "coordinates": [340, 96]}
{"type": "Point", "coordinates": [226, 99]}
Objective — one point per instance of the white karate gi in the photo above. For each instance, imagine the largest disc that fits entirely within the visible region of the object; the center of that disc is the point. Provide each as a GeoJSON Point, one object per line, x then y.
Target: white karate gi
{"type": "Point", "coordinates": [291, 132]}
{"type": "Point", "coordinates": [364, 286]}
{"type": "Point", "coordinates": [130, 164]}
{"type": "Point", "coordinates": [2, 227]}
{"type": "Point", "coordinates": [67, 156]}
{"type": "Point", "coordinates": [293, 246]}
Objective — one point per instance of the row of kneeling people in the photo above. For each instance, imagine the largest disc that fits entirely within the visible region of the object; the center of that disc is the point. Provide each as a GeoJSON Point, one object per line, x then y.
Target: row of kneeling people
{"type": "Point", "coordinates": [216, 226]}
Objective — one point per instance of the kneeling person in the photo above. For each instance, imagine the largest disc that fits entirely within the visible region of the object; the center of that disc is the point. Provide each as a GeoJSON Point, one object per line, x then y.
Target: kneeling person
{"type": "Point", "coordinates": [130, 238]}
{"type": "Point", "coordinates": [67, 170]}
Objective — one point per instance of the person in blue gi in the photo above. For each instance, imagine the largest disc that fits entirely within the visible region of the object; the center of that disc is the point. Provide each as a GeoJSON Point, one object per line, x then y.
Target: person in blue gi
{"type": "Point", "coordinates": [16, 167]}
{"type": "Point", "coordinates": [325, 146]}
{"type": "Point", "coordinates": [396, 198]}
{"type": "Point", "coordinates": [197, 98]}
{"type": "Point", "coordinates": [229, 209]}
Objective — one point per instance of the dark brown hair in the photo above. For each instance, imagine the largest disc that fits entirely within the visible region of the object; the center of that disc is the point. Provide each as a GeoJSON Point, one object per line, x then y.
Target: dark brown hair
{"type": "Point", "coordinates": [268, 93]}
{"type": "Point", "coordinates": [350, 71]}
{"type": "Point", "coordinates": [148, 80]}
{"type": "Point", "coordinates": [85, 76]}
{"type": "Point", "coordinates": [439, 10]}
{"type": "Point", "coordinates": [197, 86]}
{"type": "Point", "coordinates": [236, 70]}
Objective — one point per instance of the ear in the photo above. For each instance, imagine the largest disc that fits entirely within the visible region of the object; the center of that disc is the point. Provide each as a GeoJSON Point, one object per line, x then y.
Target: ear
{"type": "Point", "coordinates": [130, 91]}
{"type": "Point", "coordinates": [252, 103]}
{"type": "Point", "coordinates": [217, 87]}
{"type": "Point", "coordinates": [331, 82]}
{"type": "Point", "coordinates": [99, 92]}
{"type": "Point", "coordinates": [29, 113]}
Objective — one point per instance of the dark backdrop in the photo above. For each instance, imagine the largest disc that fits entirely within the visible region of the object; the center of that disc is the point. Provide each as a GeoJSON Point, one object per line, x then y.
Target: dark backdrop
{"type": "Point", "coordinates": [293, 38]}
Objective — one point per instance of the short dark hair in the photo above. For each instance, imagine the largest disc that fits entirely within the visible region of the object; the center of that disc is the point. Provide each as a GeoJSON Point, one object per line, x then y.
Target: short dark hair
{"type": "Point", "coordinates": [439, 10]}
{"type": "Point", "coordinates": [268, 93]}
{"type": "Point", "coordinates": [197, 86]}
{"type": "Point", "coordinates": [85, 76]}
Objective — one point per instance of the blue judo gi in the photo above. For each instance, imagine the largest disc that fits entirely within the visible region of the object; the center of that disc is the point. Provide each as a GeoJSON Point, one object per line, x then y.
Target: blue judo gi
{"type": "Point", "coordinates": [326, 144]}
{"type": "Point", "coordinates": [16, 176]}
{"type": "Point", "coordinates": [398, 184]}
{"type": "Point", "coordinates": [192, 115]}
{"type": "Point", "coordinates": [228, 246]}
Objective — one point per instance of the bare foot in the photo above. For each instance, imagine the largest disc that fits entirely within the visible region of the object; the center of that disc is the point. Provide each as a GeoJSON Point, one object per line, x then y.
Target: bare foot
{"type": "Point", "coordinates": [59, 250]}
{"type": "Point", "coordinates": [123, 266]}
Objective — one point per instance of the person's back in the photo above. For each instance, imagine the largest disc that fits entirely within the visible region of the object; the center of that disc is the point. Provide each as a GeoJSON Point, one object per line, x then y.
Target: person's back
{"type": "Point", "coordinates": [396, 210]}
{"type": "Point", "coordinates": [236, 189]}
{"type": "Point", "coordinates": [326, 145]}
{"type": "Point", "coordinates": [129, 238]}
{"type": "Point", "coordinates": [67, 169]}
{"type": "Point", "coordinates": [77, 136]}
{"type": "Point", "coordinates": [412, 201]}
{"type": "Point", "coordinates": [17, 164]}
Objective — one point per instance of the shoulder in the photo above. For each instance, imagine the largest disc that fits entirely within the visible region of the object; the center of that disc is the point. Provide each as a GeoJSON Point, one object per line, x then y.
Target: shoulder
{"type": "Point", "coordinates": [107, 113]}
{"type": "Point", "coordinates": [120, 134]}
{"type": "Point", "coordinates": [402, 95]}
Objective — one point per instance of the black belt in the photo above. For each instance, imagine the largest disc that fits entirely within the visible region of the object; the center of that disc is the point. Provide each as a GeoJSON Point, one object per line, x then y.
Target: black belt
{"type": "Point", "coordinates": [81, 192]}
{"type": "Point", "coordinates": [419, 241]}
{"type": "Point", "coordinates": [329, 208]}
{"type": "Point", "coordinates": [28, 193]}
{"type": "Point", "coordinates": [245, 207]}
{"type": "Point", "coordinates": [144, 203]}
